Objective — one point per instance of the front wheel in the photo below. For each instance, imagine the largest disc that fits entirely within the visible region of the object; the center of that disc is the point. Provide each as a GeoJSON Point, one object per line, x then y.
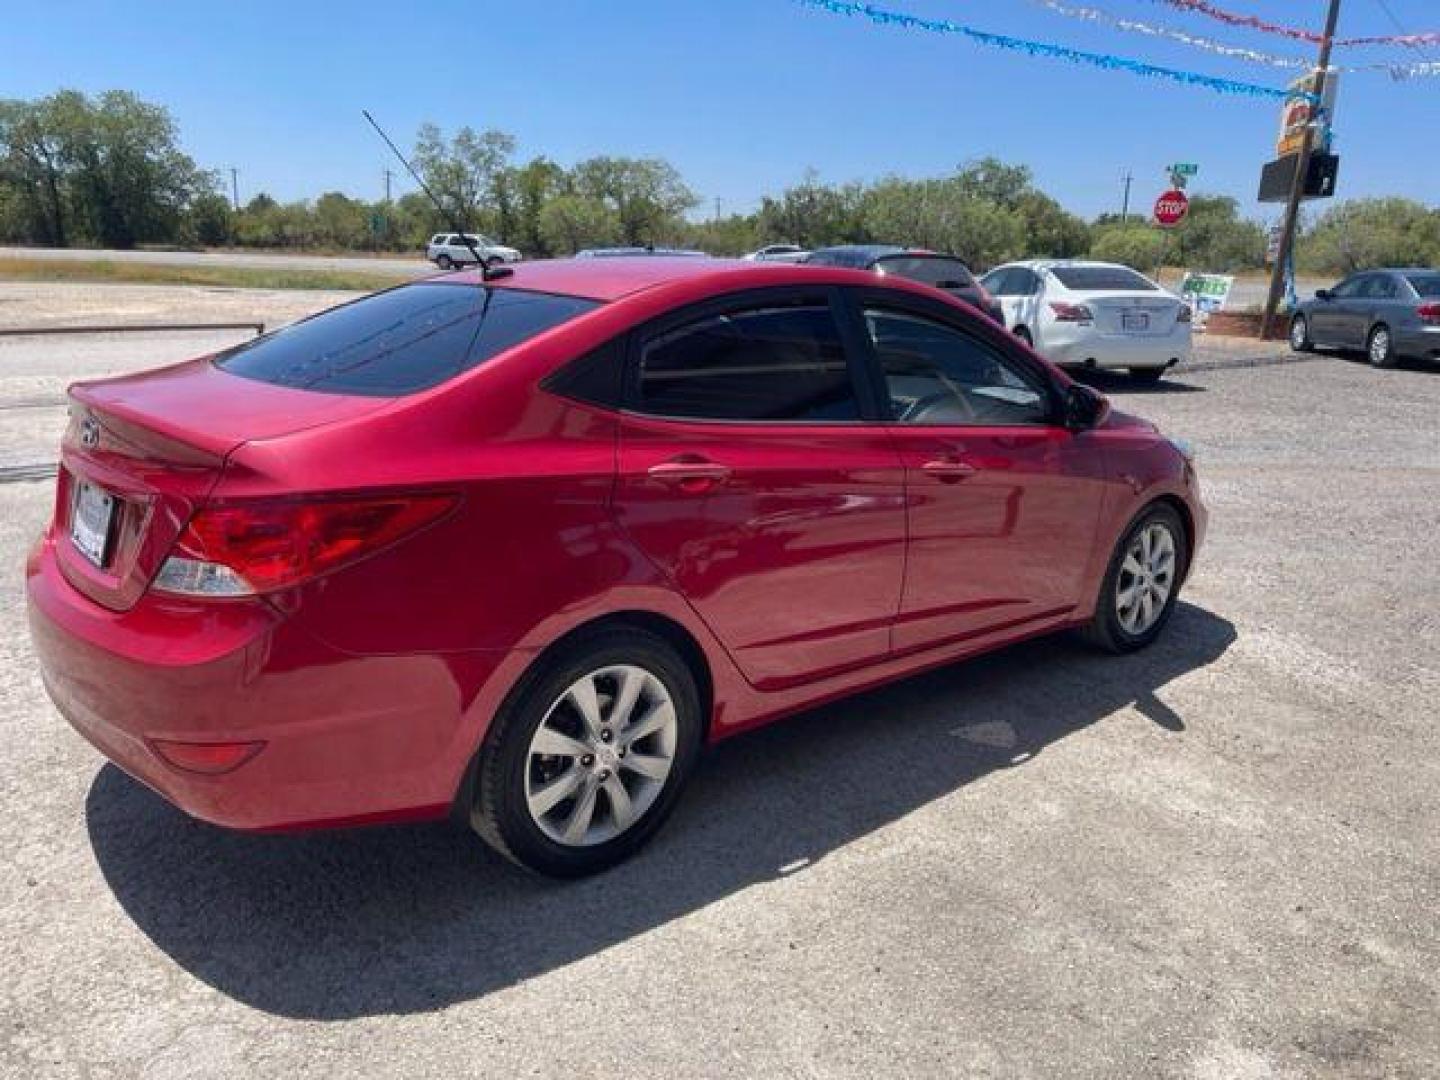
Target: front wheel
{"type": "Point", "coordinates": [444, 262]}
{"type": "Point", "coordinates": [1300, 340]}
{"type": "Point", "coordinates": [1381, 347]}
{"type": "Point", "coordinates": [587, 762]}
{"type": "Point", "coordinates": [1142, 582]}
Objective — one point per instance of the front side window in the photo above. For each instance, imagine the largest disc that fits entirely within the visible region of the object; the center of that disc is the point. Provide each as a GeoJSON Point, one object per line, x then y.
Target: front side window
{"type": "Point", "coordinates": [1350, 287]}
{"type": "Point", "coordinates": [400, 341]}
{"type": "Point", "coordinates": [935, 374]}
{"type": "Point", "coordinates": [776, 363]}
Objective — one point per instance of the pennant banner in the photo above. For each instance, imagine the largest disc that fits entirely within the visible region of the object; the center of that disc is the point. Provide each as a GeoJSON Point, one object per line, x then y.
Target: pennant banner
{"type": "Point", "coordinates": [1399, 72]}
{"type": "Point", "coordinates": [1230, 18]}
{"type": "Point", "coordinates": [883, 17]}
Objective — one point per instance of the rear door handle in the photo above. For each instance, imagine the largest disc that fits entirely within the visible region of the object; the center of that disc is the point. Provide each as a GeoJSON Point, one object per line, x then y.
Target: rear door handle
{"type": "Point", "coordinates": [690, 475]}
{"type": "Point", "coordinates": [948, 470]}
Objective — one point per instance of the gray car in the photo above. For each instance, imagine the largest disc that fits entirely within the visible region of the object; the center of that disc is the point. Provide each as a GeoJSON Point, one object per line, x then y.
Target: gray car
{"type": "Point", "coordinates": [1391, 314]}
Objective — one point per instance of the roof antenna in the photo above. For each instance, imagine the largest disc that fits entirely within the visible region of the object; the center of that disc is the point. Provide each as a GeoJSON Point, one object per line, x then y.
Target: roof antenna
{"type": "Point", "coordinates": [487, 273]}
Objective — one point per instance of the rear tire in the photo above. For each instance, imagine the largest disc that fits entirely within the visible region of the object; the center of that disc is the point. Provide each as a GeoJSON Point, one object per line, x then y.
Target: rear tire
{"type": "Point", "coordinates": [611, 804]}
{"type": "Point", "coordinates": [1147, 375]}
{"type": "Point", "coordinates": [1142, 582]}
{"type": "Point", "coordinates": [444, 262]}
{"type": "Point", "coordinates": [1380, 347]}
{"type": "Point", "coordinates": [1300, 340]}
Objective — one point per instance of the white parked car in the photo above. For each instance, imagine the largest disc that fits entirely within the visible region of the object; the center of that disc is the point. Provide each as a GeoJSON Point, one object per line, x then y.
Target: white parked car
{"type": "Point", "coordinates": [1093, 314]}
{"type": "Point", "coordinates": [789, 253]}
{"type": "Point", "coordinates": [448, 250]}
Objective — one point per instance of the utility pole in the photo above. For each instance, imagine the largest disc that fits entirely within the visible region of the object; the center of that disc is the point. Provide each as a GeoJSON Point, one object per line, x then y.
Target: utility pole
{"type": "Point", "coordinates": [1302, 173]}
{"type": "Point", "coordinates": [388, 174]}
{"type": "Point", "coordinates": [235, 187]}
{"type": "Point", "coordinates": [717, 207]}
{"type": "Point", "coordinates": [1128, 178]}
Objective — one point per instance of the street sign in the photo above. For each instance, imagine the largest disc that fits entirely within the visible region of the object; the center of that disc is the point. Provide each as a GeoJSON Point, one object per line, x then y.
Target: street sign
{"type": "Point", "coordinates": [1171, 208]}
{"type": "Point", "coordinates": [1184, 169]}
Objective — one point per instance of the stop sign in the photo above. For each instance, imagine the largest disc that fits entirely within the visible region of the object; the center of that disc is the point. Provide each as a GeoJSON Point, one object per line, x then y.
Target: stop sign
{"type": "Point", "coordinates": [1171, 208]}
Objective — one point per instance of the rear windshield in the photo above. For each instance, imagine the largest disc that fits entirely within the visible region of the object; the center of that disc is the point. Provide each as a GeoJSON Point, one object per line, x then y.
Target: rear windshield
{"type": "Point", "coordinates": [1427, 285]}
{"type": "Point", "coordinates": [1101, 278]}
{"type": "Point", "coordinates": [400, 341]}
{"type": "Point", "coordinates": [941, 273]}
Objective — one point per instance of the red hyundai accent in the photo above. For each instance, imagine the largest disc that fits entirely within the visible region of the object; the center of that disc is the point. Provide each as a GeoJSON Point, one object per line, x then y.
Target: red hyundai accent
{"type": "Point", "coordinates": [519, 547]}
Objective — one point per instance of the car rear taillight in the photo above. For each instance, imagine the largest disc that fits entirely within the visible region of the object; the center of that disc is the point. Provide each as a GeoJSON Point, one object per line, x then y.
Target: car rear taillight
{"type": "Point", "coordinates": [1185, 314]}
{"type": "Point", "coordinates": [210, 758]}
{"type": "Point", "coordinates": [239, 549]}
{"type": "Point", "coordinates": [1429, 313]}
{"type": "Point", "coordinates": [1076, 313]}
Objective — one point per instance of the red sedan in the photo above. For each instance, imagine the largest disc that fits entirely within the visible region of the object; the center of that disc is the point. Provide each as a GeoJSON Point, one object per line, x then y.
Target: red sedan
{"type": "Point", "coordinates": [519, 547]}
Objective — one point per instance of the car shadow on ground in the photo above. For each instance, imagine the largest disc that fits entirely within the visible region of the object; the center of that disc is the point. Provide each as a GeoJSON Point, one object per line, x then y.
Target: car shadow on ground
{"type": "Point", "coordinates": [1117, 382]}
{"type": "Point", "coordinates": [340, 925]}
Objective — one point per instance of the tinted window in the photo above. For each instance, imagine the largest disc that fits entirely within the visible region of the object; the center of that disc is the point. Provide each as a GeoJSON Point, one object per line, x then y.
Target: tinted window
{"type": "Point", "coordinates": [1350, 287]}
{"type": "Point", "coordinates": [1382, 287]}
{"type": "Point", "coordinates": [1024, 282]}
{"type": "Point", "coordinates": [1097, 278]}
{"type": "Point", "coordinates": [997, 282]}
{"type": "Point", "coordinates": [771, 363]}
{"type": "Point", "coordinates": [936, 374]}
{"type": "Point", "coordinates": [400, 341]}
{"type": "Point", "coordinates": [941, 273]}
{"type": "Point", "coordinates": [1427, 285]}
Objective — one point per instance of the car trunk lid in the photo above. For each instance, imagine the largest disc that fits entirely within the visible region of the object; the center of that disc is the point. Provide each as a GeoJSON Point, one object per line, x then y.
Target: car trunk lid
{"type": "Point", "coordinates": [143, 451]}
{"type": "Point", "coordinates": [1132, 313]}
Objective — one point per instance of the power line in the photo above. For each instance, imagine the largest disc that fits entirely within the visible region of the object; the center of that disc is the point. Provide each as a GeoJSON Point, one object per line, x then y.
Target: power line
{"type": "Point", "coordinates": [1395, 22]}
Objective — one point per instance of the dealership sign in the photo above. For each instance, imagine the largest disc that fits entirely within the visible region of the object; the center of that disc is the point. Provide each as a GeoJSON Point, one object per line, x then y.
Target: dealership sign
{"type": "Point", "coordinates": [1171, 208]}
{"type": "Point", "coordinates": [1301, 110]}
{"type": "Point", "coordinates": [1206, 293]}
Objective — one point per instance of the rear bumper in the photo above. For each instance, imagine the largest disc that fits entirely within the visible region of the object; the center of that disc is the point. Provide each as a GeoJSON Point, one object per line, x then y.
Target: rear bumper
{"type": "Point", "coordinates": [1419, 343]}
{"type": "Point", "coordinates": [348, 739]}
{"type": "Point", "coordinates": [1099, 350]}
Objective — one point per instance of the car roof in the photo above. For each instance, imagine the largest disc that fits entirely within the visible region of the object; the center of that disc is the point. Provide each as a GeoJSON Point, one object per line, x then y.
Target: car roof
{"type": "Point", "coordinates": [620, 276]}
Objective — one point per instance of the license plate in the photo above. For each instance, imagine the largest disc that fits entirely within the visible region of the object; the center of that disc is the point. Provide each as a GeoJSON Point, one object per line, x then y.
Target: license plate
{"type": "Point", "coordinates": [1135, 320]}
{"type": "Point", "coordinates": [91, 516]}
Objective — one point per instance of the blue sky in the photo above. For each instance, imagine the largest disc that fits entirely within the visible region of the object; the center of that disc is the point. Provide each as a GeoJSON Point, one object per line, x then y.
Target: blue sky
{"type": "Point", "coordinates": [741, 95]}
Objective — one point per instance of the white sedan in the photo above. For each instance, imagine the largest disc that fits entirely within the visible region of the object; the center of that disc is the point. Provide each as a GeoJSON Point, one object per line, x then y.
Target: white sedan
{"type": "Point", "coordinates": [1093, 314]}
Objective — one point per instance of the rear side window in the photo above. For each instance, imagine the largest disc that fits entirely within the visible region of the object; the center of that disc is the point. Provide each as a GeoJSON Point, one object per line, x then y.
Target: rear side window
{"type": "Point", "coordinates": [401, 341]}
{"type": "Point", "coordinates": [778, 363]}
{"type": "Point", "coordinates": [1101, 278]}
{"type": "Point", "coordinates": [1427, 285]}
{"type": "Point", "coordinates": [941, 273]}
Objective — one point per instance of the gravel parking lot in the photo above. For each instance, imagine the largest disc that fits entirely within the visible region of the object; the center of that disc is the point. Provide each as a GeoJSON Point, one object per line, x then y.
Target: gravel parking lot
{"type": "Point", "coordinates": [1215, 859]}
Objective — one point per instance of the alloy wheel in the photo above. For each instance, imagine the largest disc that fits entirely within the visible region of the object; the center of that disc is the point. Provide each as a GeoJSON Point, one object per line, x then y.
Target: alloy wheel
{"type": "Point", "coordinates": [1298, 333]}
{"type": "Point", "coordinates": [1146, 578]}
{"type": "Point", "coordinates": [600, 757]}
{"type": "Point", "coordinates": [1380, 347]}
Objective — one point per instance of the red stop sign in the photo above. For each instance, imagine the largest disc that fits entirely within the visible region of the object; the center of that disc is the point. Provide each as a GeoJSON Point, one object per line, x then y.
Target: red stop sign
{"type": "Point", "coordinates": [1171, 208]}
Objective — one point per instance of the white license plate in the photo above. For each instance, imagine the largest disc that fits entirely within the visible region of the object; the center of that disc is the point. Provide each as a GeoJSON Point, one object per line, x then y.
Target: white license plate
{"type": "Point", "coordinates": [1135, 320]}
{"type": "Point", "coordinates": [91, 516]}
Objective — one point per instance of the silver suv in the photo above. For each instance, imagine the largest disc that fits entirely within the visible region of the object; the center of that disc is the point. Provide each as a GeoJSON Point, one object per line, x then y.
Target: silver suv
{"type": "Point", "coordinates": [448, 250]}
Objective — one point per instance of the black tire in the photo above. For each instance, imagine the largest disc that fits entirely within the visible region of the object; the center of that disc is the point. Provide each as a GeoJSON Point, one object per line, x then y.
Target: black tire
{"type": "Point", "coordinates": [1105, 630]}
{"type": "Point", "coordinates": [492, 262]}
{"type": "Point", "coordinates": [444, 262]}
{"type": "Point", "coordinates": [1024, 335]}
{"type": "Point", "coordinates": [1300, 340]}
{"type": "Point", "coordinates": [1147, 375]}
{"type": "Point", "coordinates": [1380, 347]}
{"type": "Point", "coordinates": [499, 811]}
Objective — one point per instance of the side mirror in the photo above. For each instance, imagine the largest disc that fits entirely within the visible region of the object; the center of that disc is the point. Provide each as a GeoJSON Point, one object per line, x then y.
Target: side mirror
{"type": "Point", "coordinates": [1324, 294]}
{"type": "Point", "coordinates": [1085, 408]}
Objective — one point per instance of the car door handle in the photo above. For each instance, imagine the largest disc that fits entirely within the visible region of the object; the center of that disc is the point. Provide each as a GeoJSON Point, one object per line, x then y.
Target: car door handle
{"type": "Point", "coordinates": [948, 470]}
{"type": "Point", "coordinates": [692, 475]}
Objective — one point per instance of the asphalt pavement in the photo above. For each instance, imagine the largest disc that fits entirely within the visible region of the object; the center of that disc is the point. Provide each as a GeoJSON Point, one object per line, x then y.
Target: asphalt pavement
{"type": "Point", "coordinates": [1214, 859]}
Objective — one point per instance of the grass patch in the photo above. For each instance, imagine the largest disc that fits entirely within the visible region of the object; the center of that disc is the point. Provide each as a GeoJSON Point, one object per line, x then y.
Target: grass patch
{"type": "Point", "coordinates": [19, 268]}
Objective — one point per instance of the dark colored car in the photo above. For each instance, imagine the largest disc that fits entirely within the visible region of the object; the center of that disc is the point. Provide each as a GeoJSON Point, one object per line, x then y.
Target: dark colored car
{"type": "Point", "coordinates": [943, 272]}
{"type": "Point", "coordinates": [1391, 314]}
{"type": "Point", "coordinates": [515, 548]}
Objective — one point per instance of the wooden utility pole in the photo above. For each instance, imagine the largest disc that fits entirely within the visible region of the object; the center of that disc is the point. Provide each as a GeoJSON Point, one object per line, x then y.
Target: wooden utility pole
{"type": "Point", "coordinates": [235, 187]}
{"type": "Point", "coordinates": [1302, 174]}
{"type": "Point", "coordinates": [1129, 179]}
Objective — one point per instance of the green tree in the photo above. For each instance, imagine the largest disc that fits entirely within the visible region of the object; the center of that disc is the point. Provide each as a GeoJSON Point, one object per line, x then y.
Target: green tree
{"type": "Point", "coordinates": [646, 195]}
{"type": "Point", "coordinates": [1136, 245]}
{"type": "Point", "coordinates": [1365, 233]}
{"type": "Point", "coordinates": [465, 172]}
{"type": "Point", "coordinates": [571, 222]}
{"type": "Point", "coordinates": [813, 214]}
